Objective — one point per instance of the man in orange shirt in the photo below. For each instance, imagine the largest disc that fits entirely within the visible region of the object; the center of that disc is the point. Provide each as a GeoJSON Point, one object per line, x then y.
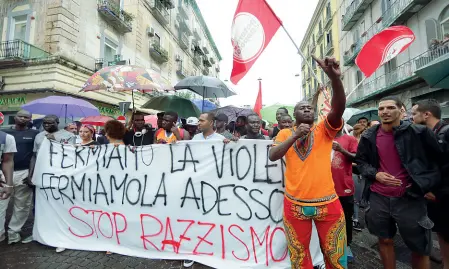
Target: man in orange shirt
{"type": "Point", "coordinates": [309, 192]}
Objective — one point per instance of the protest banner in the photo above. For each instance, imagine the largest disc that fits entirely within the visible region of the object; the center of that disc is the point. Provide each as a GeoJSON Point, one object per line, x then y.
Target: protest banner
{"type": "Point", "coordinates": [214, 203]}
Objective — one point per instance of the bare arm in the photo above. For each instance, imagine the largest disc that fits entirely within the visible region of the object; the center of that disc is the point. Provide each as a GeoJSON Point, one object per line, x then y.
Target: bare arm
{"type": "Point", "coordinates": [186, 135]}
{"type": "Point", "coordinates": [32, 165]}
{"type": "Point", "coordinates": [277, 152]}
{"type": "Point", "coordinates": [332, 69]}
{"type": "Point", "coordinates": [8, 167]}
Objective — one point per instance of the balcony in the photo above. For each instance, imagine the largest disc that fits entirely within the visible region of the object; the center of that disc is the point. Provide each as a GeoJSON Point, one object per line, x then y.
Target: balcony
{"type": "Point", "coordinates": [205, 49]}
{"type": "Point", "coordinates": [181, 71]}
{"type": "Point", "coordinates": [206, 62]}
{"type": "Point", "coordinates": [206, 71]}
{"type": "Point", "coordinates": [196, 33]}
{"type": "Point", "coordinates": [354, 12]}
{"type": "Point", "coordinates": [184, 41]}
{"type": "Point", "coordinates": [433, 67]}
{"type": "Point", "coordinates": [158, 53]}
{"type": "Point", "coordinates": [217, 69]}
{"type": "Point", "coordinates": [100, 63]}
{"type": "Point", "coordinates": [197, 48]}
{"type": "Point", "coordinates": [399, 11]}
{"type": "Point", "coordinates": [183, 11]}
{"type": "Point", "coordinates": [329, 49]}
{"type": "Point", "coordinates": [197, 60]}
{"type": "Point", "coordinates": [402, 10]}
{"type": "Point", "coordinates": [212, 60]}
{"type": "Point", "coordinates": [184, 27]}
{"type": "Point", "coordinates": [160, 12]}
{"type": "Point", "coordinates": [19, 53]}
{"type": "Point", "coordinates": [398, 77]}
{"type": "Point", "coordinates": [118, 18]}
{"type": "Point", "coordinates": [169, 4]}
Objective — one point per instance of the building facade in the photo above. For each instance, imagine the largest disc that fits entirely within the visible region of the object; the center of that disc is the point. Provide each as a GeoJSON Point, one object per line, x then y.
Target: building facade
{"type": "Point", "coordinates": [321, 40]}
{"type": "Point", "coordinates": [406, 75]}
{"type": "Point", "coordinates": [51, 47]}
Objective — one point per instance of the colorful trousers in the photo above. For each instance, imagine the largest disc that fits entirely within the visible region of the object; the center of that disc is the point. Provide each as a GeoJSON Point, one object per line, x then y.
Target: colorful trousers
{"type": "Point", "coordinates": [330, 224]}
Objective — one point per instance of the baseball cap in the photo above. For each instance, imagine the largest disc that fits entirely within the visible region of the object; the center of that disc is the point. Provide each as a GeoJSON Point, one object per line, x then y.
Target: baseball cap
{"type": "Point", "coordinates": [192, 121]}
{"type": "Point", "coordinates": [222, 117]}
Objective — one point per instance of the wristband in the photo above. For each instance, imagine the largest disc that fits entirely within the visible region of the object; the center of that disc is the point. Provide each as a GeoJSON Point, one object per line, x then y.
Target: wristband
{"type": "Point", "coordinates": [7, 186]}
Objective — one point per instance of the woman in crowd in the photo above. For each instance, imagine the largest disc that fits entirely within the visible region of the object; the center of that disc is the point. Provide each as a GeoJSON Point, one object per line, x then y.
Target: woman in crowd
{"type": "Point", "coordinates": [87, 135]}
{"type": "Point", "coordinates": [115, 132]}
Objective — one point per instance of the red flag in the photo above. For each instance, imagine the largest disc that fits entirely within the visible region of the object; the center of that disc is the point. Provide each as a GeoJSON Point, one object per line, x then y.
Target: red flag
{"type": "Point", "coordinates": [258, 105]}
{"type": "Point", "coordinates": [383, 47]}
{"type": "Point", "coordinates": [253, 28]}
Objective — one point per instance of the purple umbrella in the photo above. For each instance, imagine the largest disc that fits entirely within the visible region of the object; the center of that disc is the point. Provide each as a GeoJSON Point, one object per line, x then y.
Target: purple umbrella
{"type": "Point", "coordinates": [62, 106]}
{"type": "Point", "coordinates": [233, 112]}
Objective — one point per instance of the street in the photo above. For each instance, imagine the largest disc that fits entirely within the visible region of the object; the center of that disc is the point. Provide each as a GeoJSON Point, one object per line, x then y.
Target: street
{"type": "Point", "coordinates": [35, 255]}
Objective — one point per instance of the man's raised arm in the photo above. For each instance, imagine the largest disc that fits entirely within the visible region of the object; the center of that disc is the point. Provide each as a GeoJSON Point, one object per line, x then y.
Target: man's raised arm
{"type": "Point", "coordinates": [331, 67]}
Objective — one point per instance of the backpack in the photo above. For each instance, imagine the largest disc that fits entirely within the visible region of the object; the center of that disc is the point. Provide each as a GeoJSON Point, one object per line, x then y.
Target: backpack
{"type": "Point", "coordinates": [442, 131]}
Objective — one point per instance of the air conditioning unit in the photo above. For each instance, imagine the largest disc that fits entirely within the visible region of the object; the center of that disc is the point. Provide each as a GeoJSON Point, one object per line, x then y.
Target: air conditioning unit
{"type": "Point", "coordinates": [178, 57]}
{"type": "Point", "coordinates": [150, 31]}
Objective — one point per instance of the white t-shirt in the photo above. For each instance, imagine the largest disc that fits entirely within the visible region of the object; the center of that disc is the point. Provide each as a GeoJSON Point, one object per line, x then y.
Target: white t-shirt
{"type": "Point", "coordinates": [61, 136]}
{"type": "Point", "coordinates": [214, 136]}
{"type": "Point", "coordinates": [9, 146]}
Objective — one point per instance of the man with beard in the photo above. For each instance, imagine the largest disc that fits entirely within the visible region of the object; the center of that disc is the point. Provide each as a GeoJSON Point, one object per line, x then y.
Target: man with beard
{"type": "Point", "coordinates": [428, 112]}
{"type": "Point", "coordinates": [139, 135]}
{"type": "Point", "coordinates": [400, 164]}
{"type": "Point", "coordinates": [309, 188]}
{"type": "Point", "coordinates": [206, 128]}
{"type": "Point", "coordinates": [170, 133]}
{"type": "Point", "coordinates": [52, 132]}
{"type": "Point", "coordinates": [22, 193]}
{"type": "Point", "coordinates": [253, 128]}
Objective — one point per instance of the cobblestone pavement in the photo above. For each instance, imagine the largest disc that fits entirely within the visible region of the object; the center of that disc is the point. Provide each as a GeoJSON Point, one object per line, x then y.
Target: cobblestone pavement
{"type": "Point", "coordinates": [35, 255]}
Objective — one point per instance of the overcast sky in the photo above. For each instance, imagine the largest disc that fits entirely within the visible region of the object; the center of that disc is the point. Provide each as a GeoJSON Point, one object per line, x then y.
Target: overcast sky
{"type": "Point", "coordinates": [277, 65]}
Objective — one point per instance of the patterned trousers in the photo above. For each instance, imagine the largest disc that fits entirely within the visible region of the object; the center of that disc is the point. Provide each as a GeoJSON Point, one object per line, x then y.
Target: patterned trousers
{"type": "Point", "coordinates": [330, 224]}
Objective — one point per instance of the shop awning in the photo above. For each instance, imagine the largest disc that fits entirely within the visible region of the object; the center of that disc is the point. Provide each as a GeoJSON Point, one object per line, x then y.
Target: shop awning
{"type": "Point", "coordinates": [436, 73]}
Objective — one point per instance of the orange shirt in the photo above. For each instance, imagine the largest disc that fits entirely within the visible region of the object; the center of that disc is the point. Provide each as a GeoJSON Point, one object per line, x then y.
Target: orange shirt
{"type": "Point", "coordinates": [161, 135]}
{"type": "Point", "coordinates": [308, 173]}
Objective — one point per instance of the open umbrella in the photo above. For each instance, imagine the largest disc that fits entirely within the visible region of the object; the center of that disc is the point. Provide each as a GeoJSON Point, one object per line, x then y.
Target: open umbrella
{"type": "Point", "coordinates": [62, 106]}
{"type": "Point", "coordinates": [369, 113]}
{"type": "Point", "coordinates": [233, 112]}
{"type": "Point", "coordinates": [184, 107]}
{"type": "Point", "coordinates": [151, 119]}
{"type": "Point", "coordinates": [204, 105]}
{"type": "Point", "coordinates": [96, 120]}
{"type": "Point", "coordinates": [349, 112]}
{"type": "Point", "coordinates": [207, 87]}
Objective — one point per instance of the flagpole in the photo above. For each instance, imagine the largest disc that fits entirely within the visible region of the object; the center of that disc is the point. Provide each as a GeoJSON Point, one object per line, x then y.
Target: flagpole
{"type": "Point", "coordinates": [358, 85]}
{"type": "Point", "coordinates": [302, 55]}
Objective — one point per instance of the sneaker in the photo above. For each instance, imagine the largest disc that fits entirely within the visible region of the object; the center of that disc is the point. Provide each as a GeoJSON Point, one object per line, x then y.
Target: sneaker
{"type": "Point", "coordinates": [27, 239]}
{"type": "Point", "coordinates": [357, 226]}
{"type": "Point", "coordinates": [188, 263]}
{"type": "Point", "coordinates": [13, 237]}
{"type": "Point", "coordinates": [2, 237]}
{"type": "Point", "coordinates": [350, 255]}
{"type": "Point", "coordinates": [59, 250]}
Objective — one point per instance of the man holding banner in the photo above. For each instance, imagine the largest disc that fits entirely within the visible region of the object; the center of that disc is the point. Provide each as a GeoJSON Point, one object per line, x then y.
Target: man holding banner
{"type": "Point", "coordinates": [309, 191]}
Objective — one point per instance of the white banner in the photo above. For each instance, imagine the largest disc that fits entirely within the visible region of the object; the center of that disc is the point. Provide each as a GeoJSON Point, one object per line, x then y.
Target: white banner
{"type": "Point", "coordinates": [220, 205]}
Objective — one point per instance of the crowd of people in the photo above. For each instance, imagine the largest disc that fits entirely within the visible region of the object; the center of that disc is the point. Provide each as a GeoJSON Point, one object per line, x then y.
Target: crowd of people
{"type": "Point", "coordinates": [396, 169]}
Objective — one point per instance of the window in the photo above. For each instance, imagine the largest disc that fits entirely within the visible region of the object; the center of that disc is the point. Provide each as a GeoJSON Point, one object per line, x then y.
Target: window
{"type": "Point", "coordinates": [362, 27]}
{"type": "Point", "coordinates": [358, 77]}
{"type": "Point", "coordinates": [444, 19]}
{"type": "Point", "coordinates": [328, 10]}
{"type": "Point", "coordinates": [431, 29]}
{"type": "Point", "coordinates": [329, 37]}
{"type": "Point", "coordinates": [18, 25]}
{"type": "Point", "coordinates": [157, 39]}
{"type": "Point", "coordinates": [110, 50]}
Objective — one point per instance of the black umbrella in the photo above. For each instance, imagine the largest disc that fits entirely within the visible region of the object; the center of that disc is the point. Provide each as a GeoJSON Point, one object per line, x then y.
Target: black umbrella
{"type": "Point", "coordinates": [207, 87]}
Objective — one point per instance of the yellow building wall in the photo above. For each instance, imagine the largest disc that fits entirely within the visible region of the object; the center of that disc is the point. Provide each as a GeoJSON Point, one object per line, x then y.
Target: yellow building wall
{"type": "Point", "coordinates": [319, 47]}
